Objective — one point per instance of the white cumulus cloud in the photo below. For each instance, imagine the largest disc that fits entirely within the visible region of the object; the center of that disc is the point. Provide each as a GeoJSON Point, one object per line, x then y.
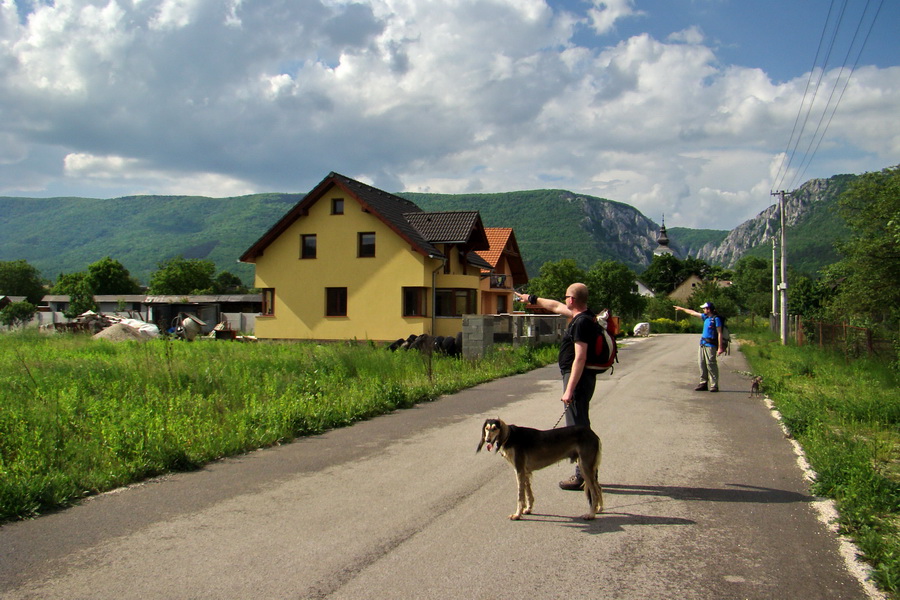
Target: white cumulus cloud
{"type": "Point", "coordinates": [221, 97]}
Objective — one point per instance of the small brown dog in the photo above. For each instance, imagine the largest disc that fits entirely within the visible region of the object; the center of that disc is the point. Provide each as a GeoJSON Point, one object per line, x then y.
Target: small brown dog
{"type": "Point", "coordinates": [755, 386]}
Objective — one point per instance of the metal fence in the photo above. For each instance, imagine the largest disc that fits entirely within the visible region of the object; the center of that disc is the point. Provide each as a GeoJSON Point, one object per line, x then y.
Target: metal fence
{"type": "Point", "coordinates": [854, 341]}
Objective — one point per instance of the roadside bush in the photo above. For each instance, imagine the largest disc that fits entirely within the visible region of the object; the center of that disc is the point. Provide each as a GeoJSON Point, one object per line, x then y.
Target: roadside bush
{"type": "Point", "coordinates": [672, 326]}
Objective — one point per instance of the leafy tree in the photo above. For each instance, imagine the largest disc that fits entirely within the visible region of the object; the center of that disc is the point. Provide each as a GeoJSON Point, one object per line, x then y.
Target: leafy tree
{"type": "Point", "coordinates": [808, 297]}
{"type": "Point", "coordinates": [663, 274]}
{"type": "Point", "coordinates": [81, 300]}
{"type": "Point", "coordinates": [871, 208]}
{"type": "Point", "coordinates": [69, 283]}
{"type": "Point", "coordinates": [555, 278]}
{"type": "Point", "coordinates": [662, 307]}
{"type": "Point", "coordinates": [722, 297]}
{"type": "Point", "coordinates": [753, 284]}
{"type": "Point", "coordinates": [108, 276]}
{"type": "Point", "coordinates": [694, 266]}
{"type": "Point", "coordinates": [703, 270]}
{"type": "Point", "coordinates": [611, 285]}
{"type": "Point", "coordinates": [228, 283]}
{"type": "Point", "coordinates": [18, 278]}
{"type": "Point", "coordinates": [17, 313]}
{"type": "Point", "coordinates": [181, 275]}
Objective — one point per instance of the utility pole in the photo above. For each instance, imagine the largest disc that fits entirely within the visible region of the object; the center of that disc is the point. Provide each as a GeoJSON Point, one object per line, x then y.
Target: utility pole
{"type": "Point", "coordinates": [783, 286]}
{"type": "Point", "coordinates": [774, 278]}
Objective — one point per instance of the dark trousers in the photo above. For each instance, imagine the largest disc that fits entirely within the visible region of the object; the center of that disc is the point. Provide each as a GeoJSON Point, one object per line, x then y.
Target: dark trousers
{"type": "Point", "coordinates": [579, 410]}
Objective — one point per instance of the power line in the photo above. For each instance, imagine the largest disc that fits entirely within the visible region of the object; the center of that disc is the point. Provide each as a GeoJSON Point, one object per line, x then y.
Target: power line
{"type": "Point", "coordinates": [789, 151]}
{"type": "Point", "coordinates": [808, 101]}
{"type": "Point", "coordinates": [799, 177]}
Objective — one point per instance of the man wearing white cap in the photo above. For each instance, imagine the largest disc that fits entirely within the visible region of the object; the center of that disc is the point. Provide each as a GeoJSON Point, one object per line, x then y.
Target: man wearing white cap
{"type": "Point", "coordinates": [711, 345]}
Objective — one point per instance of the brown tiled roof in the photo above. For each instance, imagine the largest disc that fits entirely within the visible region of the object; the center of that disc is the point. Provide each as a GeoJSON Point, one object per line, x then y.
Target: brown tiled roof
{"type": "Point", "coordinates": [461, 228]}
{"type": "Point", "coordinates": [475, 259]}
{"type": "Point", "coordinates": [457, 227]}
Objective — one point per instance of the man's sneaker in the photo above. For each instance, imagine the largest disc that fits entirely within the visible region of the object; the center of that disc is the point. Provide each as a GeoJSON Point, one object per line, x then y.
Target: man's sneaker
{"type": "Point", "coordinates": [714, 389]}
{"type": "Point", "coordinates": [701, 388]}
{"type": "Point", "coordinates": [575, 483]}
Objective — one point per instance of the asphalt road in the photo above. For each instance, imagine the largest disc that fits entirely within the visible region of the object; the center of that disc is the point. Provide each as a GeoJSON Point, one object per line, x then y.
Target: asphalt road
{"type": "Point", "coordinates": [704, 500]}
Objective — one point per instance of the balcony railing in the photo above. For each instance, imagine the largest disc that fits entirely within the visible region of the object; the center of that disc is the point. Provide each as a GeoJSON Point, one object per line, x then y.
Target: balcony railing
{"type": "Point", "coordinates": [503, 282]}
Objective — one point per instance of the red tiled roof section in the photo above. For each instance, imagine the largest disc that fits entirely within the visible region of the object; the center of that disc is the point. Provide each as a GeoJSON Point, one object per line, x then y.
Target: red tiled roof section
{"type": "Point", "coordinates": [497, 238]}
{"type": "Point", "coordinates": [503, 243]}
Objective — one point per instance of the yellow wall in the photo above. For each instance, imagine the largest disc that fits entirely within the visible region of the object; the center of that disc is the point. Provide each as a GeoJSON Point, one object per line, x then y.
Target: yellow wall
{"type": "Point", "coordinates": [374, 285]}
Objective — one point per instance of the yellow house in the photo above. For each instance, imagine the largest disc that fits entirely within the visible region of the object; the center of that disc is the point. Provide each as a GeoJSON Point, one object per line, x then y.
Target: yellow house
{"type": "Point", "coordinates": [686, 288]}
{"type": "Point", "coordinates": [506, 273]}
{"type": "Point", "coordinates": [350, 261]}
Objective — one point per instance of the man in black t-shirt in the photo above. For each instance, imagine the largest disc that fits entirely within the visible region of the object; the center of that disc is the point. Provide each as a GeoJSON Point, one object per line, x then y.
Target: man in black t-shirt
{"type": "Point", "coordinates": [578, 382]}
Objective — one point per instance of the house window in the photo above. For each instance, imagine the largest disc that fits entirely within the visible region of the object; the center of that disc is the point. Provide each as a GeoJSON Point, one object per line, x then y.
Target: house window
{"type": "Point", "coordinates": [268, 301]}
{"type": "Point", "coordinates": [366, 245]}
{"type": "Point", "coordinates": [502, 305]}
{"type": "Point", "coordinates": [337, 206]}
{"type": "Point", "coordinates": [414, 301]}
{"type": "Point", "coordinates": [308, 246]}
{"type": "Point", "coordinates": [456, 302]}
{"type": "Point", "coordinates": [336, 302]}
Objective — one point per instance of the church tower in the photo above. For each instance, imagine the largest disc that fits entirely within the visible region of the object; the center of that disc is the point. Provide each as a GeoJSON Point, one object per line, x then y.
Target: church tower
{"type": "Point", "coordinates": [662, 241]}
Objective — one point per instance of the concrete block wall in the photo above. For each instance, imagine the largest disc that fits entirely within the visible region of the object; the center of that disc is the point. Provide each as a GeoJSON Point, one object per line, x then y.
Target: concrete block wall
{"type": "Point", "coordinates": [481, 332]}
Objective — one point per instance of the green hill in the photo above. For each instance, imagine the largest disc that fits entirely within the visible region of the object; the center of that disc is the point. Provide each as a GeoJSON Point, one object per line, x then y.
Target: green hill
{"type": "Point", "coordinates": [690, 241]}
{"type": "Point", "coordinates": [549, 224]}
{"type": "Point", "coordinates": [64, 235]}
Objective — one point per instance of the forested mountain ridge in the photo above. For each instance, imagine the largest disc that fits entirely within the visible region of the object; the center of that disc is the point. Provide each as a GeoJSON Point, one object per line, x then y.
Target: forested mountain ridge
{"type": "Point", "coordinates": [65, 235]}
{"type": "Point", "coordinates": [554, 224]}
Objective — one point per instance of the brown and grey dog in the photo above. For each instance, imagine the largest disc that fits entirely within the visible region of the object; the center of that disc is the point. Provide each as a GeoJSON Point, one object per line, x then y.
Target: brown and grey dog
{"type": "Point", "coordinates": [755, 386]}
{"type": "Point", "coordinates": [528, 450]}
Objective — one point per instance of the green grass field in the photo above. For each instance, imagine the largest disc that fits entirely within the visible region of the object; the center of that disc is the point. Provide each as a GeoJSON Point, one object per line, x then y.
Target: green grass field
{"type": "Point", "coordinates": [80, 416]}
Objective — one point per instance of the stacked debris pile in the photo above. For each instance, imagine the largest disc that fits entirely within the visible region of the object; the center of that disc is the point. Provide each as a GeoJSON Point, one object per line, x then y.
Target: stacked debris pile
{"type": "Point", "coordinates": [120, 332]}
{"type": "Point", "coordinates": [110, 327]}
{"type": "Point", "coordinates": [449, 345]}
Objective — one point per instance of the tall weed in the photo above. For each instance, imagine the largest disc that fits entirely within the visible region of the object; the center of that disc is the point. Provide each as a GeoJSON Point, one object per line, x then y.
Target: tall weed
{"type": "Point", "coordinates": [79, 416]}
{"type": "Point", "coordinates": [846, 416]}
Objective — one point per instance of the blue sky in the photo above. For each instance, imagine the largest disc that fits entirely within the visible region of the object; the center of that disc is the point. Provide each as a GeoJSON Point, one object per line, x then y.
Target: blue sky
{"type": "Point", "coordinates": [780, 37]}
{"type": "Point", "coordinates": [682, 107]}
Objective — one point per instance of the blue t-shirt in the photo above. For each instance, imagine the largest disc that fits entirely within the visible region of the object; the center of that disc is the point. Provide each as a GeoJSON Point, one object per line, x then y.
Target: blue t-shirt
{"type": "Point", "coordinates": [710, 338]}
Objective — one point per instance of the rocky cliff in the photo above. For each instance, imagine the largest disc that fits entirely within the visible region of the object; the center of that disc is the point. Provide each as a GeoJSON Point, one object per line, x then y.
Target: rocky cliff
{"type": "Point", "coordinates": [619, 230]}
{"type": "Point", "coordinates": [816, 195]}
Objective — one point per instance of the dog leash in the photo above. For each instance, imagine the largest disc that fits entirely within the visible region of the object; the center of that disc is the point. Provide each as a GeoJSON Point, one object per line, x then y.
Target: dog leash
{"type": "Point", "coordinates": [561, 416]}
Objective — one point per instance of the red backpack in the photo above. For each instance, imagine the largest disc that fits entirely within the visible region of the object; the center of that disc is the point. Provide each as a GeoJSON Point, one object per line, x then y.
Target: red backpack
{"type": "Point", "coordinates": [603, 352]}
